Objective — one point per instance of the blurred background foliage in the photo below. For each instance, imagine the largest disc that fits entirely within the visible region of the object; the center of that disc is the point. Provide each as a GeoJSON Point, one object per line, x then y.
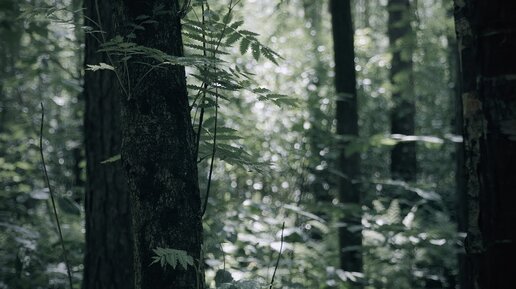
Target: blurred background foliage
{"type": "Point", "coordinates": [409, 229]}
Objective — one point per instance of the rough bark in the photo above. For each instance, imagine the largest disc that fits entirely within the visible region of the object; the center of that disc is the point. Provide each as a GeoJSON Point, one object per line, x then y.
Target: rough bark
{"type": "Point", "coordinates": [347, 126]}
{"type": "Point", "coordinates": [158, 152]}
{"type": "Point", "coordinates": [108, 253]}
{"type": "Point", "coordinates": [403, 155]}
{"type": "Point", "coordinates": [487, 40]}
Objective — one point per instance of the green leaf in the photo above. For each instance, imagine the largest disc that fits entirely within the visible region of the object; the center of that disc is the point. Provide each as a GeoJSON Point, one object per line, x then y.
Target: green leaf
{"type": "Point", "coordinates": [261, 90]}
{"type": "Point", "coordinates": [232, 38]}
{"type": "Point", "coordinates": [269, 55]}
{"type": "Point", "coordinates": [142, 17]}
{"type": "Point", "coordinates": [137, 27]}
{"type": "Point", "coordinates": [171, 260]}
{"type": "Point", "coordinates": [255, 49]}
{"type": "Point", "coordinates": [248, 33]}
{"type": "Point", "coordinates": [111, 159]}
{"type": "Point", "coordinates": [100, 66]}
{"type": "Point", "coordinates": [289, 101]}
{"type": "Point", "coordinates": [192, 28]}
{"type": "Point", "coordinates": [244, 45]}
{"type": "Point", "coordinates": [208, 49]}
{"type": "Point", "coordinates": [209, 122]}
{"type": "Point", "coordinates": [172, 257]}
{"type": "Point", "coordinates": [236, 24]}
{"type": "Point", "coordinates": [227, 18]}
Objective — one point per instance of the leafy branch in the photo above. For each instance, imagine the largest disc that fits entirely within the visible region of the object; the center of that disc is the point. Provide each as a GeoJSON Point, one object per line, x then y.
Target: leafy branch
{"type": "Point", "coordinates": [172, 257]}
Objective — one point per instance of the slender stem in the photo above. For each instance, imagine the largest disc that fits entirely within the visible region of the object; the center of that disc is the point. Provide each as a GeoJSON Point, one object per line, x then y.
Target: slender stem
{"type": "Point", "coordinates": [279, 256]}
{"type": "Point", "coordinates": [205, 87]}
{"type": "Point", "coordinates": [128, 75]}
{"type": "Point", "coordinates": [198, 139]}
{"type": "Point", "coordinates": [214, 148]}
{"type": "Point", "coordinates": [205, 84]}
{"type": "Point", "coordinates": [47, 180]}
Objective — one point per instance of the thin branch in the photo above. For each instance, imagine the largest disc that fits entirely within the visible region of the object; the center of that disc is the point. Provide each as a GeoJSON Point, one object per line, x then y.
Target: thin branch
{"type": "Point", "coordinates": [214, 149]}
{"type": "Point", "coordinates": [47, 180]}
{"type": "Point", "coordinates": [198, 139]}
{"type": "Point", "coordinates": [279, 256]}
{"type": "Point", "coordinates": [205, 86]}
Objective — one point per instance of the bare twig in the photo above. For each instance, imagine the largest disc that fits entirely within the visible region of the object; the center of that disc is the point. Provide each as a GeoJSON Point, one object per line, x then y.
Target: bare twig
{"type": "Point", "coordinates": [279, 256]}
{"type": "Point", "coordinates": [47, 180]}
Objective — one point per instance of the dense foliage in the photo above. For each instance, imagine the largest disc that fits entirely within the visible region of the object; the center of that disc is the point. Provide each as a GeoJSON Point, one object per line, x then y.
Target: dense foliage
{"type": "Point", "coordinates": [260, 77]}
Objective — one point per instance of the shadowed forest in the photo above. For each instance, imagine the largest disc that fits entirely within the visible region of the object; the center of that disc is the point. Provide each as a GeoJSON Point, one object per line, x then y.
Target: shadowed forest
{"type": "Point", "coordinates": [247, 144]}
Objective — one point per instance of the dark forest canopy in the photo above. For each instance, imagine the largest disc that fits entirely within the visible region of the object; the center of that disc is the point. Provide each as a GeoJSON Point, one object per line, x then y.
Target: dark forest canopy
{"type": "Point", "coordinates": [257, 144]}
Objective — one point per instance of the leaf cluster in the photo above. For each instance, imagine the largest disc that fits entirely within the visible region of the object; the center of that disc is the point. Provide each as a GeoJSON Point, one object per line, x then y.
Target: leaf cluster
{"type": "Point", "coordinates": [172, 257]}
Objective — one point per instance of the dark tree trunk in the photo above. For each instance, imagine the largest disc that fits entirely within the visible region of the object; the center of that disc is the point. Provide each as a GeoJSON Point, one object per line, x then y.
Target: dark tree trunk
{"type": "Point", "coordinates": [158, 152]}
{"type": "Point", "coordinates": [108, 258]}
{"type": "Point", "coordinates": [347, 126]}
{"type": "Point", "coordinates": [487, 39]}
{"type": "Point", "coordinates": [403, 155]}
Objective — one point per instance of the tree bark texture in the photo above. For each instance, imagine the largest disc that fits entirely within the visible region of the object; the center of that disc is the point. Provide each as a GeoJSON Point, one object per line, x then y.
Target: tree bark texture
{"type": "Point", "coordinates": [403, 155]}
{"type": "Point", "coordinates": [108, 257]}
{"type": "Point", "coordinates": [486, 32]}
{"type": "Point", "coordinates": [158, 149]}
{"type": "Point", "coordinates": [347, 126]}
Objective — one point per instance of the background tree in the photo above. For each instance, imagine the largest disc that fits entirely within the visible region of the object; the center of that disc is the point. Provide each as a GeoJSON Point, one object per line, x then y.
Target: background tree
{"type": "Point", "coordinates": [108, 261]}
{"type": "Point", "coordinates": [350, 234]}
{"type": "Point", "coordinates": [38, 64]}
{"type": "Point", "coordinates": [487, 39]}
{"type": "Point", "coordinates": [401, 40]}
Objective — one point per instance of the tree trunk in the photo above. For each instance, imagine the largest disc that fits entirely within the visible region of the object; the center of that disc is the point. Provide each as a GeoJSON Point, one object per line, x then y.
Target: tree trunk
{"type": "Point", "coordinates": [158, 149]}
{"type": "Point", "coordinates": [108, 257]}
{"type": "Point", "coordinates": [403, 155]}
{"type": "Point", "coordinates": [487, 39]}
{"type": "Point", "coordinates": [347, 126]}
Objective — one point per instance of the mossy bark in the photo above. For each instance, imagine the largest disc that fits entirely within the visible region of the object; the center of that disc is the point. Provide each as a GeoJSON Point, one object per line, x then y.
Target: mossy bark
{"type": "Point", "coordinates": [486, 32]}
